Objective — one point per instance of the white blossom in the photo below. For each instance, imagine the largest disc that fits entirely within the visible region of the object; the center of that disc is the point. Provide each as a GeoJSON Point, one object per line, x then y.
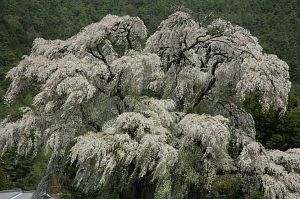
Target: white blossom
{"type": "Point", "coordinates": [269, 75]}
{"type": "Point", "coordinates": [90, 36]}
{"type": "Point", "coordinates": [133, 139]}
{"type": "Point", "coordinates": [277, 179]}
{"type": "Point", "coordinates": [18, 133]}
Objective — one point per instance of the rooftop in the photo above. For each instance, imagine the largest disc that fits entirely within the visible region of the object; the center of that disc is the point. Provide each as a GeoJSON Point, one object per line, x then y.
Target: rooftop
{"type": "Point", "coordinates": [17, 194]}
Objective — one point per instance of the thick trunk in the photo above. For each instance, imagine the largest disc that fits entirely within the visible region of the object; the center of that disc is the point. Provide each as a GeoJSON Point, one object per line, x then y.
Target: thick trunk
{"type": "Point", "coordinates": [42, 186]}
{"type": "Point", "coordinates": [55, 167]}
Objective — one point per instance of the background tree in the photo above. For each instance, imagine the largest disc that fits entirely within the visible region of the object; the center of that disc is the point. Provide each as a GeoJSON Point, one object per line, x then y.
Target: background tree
{"type": "Point", "coordinates": [272, 129]}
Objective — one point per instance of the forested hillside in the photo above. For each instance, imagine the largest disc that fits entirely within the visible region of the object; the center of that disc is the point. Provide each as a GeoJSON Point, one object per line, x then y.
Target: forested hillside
{"type": "Point", "coordinates": [276, 23]}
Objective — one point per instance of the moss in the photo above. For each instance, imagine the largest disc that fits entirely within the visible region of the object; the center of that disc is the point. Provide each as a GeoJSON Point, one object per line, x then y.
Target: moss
{"type": "Point", "coordinates": [235, 187]}
{"type": "Point", "coordinates": [297, 171]}
{"type": "Point", "coordinates": [258, 195]}
{"type": "Point", "coordinates": [231, 187]}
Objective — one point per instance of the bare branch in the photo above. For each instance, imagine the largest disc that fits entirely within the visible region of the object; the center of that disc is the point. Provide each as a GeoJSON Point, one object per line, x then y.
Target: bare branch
{"type": "Point", "coordinates": [128, 38]}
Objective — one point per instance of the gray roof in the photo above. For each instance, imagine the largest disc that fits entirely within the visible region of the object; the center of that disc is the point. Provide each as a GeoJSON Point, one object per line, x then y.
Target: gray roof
{"type": "Point", "coordinates": [8, 194]}
{"type": "Point", "coordinates": [16, 194]}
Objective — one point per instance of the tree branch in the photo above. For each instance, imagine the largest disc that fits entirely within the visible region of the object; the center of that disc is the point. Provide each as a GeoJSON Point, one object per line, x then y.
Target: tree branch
{"type": "Point", "coordinates": [102, 57]}
{"type": "Point", "coordinates": [94, 55]}
{"type": "Point", "coordinates": [128, 38]}
{"type": "Point", "coordinates": [208, 86]}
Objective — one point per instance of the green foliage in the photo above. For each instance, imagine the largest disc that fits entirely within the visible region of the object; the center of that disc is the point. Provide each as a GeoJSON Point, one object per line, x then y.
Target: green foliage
{"type": "Point", "coordinates": [273, 130]}
{"type": "Point", "coordinates": [13, 109]}
{"type": "Point", "coordinates": [232, 186]}
{"type": "Point", "coordinates": [190, 172]}
{"type": "Point", "coordinates": [23, 172]}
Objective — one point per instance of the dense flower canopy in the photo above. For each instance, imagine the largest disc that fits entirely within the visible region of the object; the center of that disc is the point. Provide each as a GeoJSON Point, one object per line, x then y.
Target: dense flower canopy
{"type": "Point", "coordinates": [166, 115]}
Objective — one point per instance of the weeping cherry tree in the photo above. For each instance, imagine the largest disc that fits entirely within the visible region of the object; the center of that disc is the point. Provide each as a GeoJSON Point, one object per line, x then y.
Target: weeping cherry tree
{"type": "Point", "coordinates": [157, 119]}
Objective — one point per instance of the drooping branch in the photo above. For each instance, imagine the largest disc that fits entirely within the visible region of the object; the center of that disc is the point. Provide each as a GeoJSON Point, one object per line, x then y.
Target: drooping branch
{"type": "Point", "coordinates": [102, 57]}
{"type": "Point", "coordinates": [206, 88]}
